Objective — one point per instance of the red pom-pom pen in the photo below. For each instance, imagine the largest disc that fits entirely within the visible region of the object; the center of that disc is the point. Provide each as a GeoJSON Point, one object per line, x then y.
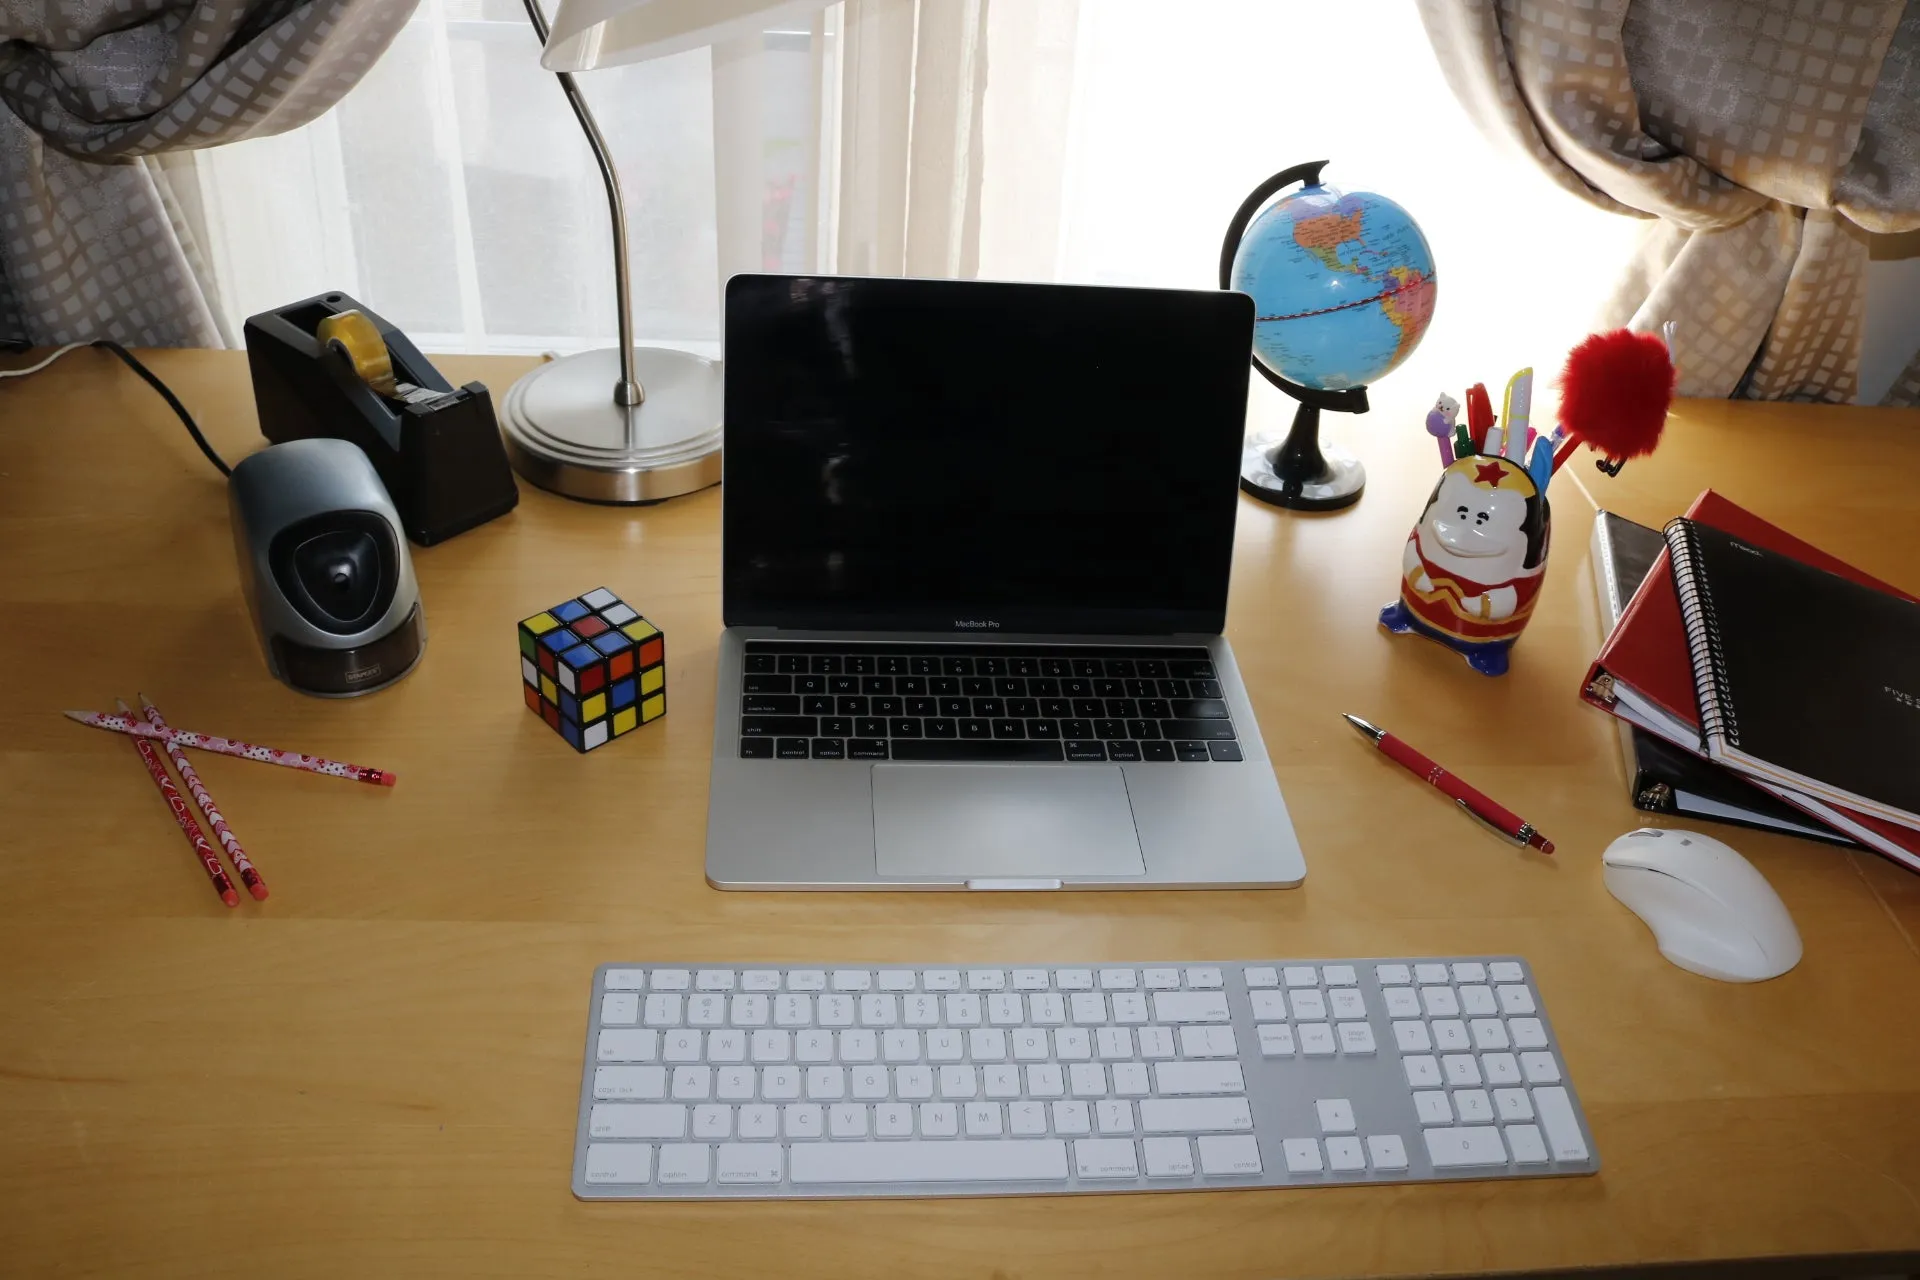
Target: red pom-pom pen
{"type": "Point", "coordinates": [1501, 819]}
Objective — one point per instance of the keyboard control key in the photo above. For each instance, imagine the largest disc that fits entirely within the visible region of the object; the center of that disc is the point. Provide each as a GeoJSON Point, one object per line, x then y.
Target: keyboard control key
{"type": "Point", "coordinates": [1229, 1157]}
{"type": "Point", "coordinates": [625, 1163]}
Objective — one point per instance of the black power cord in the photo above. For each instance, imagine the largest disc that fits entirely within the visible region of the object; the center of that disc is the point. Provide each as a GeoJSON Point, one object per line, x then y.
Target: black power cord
{"type": "Point", "coordinates": [147, 376]}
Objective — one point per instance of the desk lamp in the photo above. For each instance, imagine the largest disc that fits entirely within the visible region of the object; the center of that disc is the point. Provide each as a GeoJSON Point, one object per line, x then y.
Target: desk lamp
{"type": "Point", "coordinates": [637, 424]}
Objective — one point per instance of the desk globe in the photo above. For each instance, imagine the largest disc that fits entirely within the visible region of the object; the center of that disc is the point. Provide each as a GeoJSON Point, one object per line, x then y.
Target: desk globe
{"type": "Point", "coordinates": [1343, 290]}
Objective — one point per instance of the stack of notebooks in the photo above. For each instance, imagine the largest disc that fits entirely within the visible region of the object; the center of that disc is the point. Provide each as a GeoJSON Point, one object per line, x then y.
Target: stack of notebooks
{"type": "Point", "coordinates": [1760, 680]}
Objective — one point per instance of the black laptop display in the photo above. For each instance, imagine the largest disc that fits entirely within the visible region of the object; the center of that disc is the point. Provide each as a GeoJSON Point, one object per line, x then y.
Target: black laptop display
{"type": "Point", "coordinates": [906, 455]}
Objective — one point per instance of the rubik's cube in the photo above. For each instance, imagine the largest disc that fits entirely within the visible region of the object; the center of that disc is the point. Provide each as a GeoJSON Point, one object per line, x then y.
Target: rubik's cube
{"type": "Point", "coordinates": [593, 668]}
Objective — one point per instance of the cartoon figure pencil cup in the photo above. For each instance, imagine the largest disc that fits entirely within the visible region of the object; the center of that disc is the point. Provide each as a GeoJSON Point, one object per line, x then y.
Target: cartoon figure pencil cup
{"type": "Point", "coordinates": [1472, 567]}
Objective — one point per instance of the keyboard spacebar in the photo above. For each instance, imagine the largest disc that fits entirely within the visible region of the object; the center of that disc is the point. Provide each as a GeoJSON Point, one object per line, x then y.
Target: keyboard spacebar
{"type": "Point", "coordinates": [1006, 750]}
{"type": "Point", "coordinates": [1023, 1161]}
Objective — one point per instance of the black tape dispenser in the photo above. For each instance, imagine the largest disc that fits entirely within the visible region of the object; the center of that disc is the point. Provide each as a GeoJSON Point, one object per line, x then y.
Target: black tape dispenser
{"type": "Point", "coordinates": [328, 367]}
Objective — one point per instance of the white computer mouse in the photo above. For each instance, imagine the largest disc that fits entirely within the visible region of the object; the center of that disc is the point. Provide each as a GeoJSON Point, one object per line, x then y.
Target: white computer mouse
{"type": "Point", "coordinates": [1709, 910]}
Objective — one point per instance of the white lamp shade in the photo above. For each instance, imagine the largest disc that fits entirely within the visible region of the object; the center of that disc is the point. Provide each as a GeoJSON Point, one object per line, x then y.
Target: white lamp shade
{"type": "Point", "coordinates": [608, 33]}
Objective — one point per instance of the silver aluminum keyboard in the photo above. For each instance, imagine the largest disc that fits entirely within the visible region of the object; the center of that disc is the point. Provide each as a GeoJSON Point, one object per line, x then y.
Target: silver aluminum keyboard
{"type": "Point", "coordinates": [717, 1082]}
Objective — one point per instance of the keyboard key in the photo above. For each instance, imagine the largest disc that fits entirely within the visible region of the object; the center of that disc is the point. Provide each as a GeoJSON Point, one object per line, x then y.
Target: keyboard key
{"type": "Point", "coordinates": [790, 748]}
{"type": "Point", "coordinates": [1002, 749]}
{"type": "Point", "coordinates": [1157, 752]}
{"type": "Point", "coordinates": [1344, 1155]}
{"type": "Point", "coordinates": [1336, 1115]}
{"type": "Point", "coordinates": [1402, 1002]}
{"type": "Point", "coordinates": [636, 1120]}
{"type": "Point", "coordinates": [1388, 1153]}
{"type": "Point", "coordinates": [1268, 1006]}
{"type": "Point", "coordinates": [628, 1046]}
{"type": "Point", "coordinates": [1429, 973]}
{"type": "Point", "coordinates": [1515, 1000]}
{"type": "Point", "coordinates": [619, 1008]}
{"type": "Point", "coordinates": [1192, 752]}
{"type": "Point", "coordinates": [1525, 1142]}
{"type": "Point", "coordinates": [1392, 975]}
{"type": "Point", "coordinates": [1557, 1119]}
{"type": "Point", "coordinates": [1347, 1004]}
{"type": "Point", "coordinates": [624, 1162]}
{"type": "Point", "coordinates": [1512, 1104]}
{"type": "Point", "coordinates": [1308, 1006]}
{"type": "Point", "coordinates": [1302, 1155]}
{"type": "Point", "coordinates": [1422, 1071]}
{"type": "Point", "coordinates": [1473, 1106]}
{"type": "Point", "coordinates": [1412, 1037]}
{"type": "Point", "coordinates": [683, 1165]}
{"type": "Point", "coordinates": [756, 748]}
{"type": "Point", "coordinates": [630, 1083]}
{"type": "Point", "coordinates": [1460, 1069]}
{"type": "Point", "coordinates": [1190, 1006]}
{"type": "Point", "coordinates": [1478, 1001]}
{"type": "Point", "coordinates": [866, 748]}
{"type": "Point", "coordinates": [1276, 1042]}
{"type": "Point", "coordinates": [1014, 1160]}
{"type": "Point", "coordinates": [1440, 1002]}
{"type": "Point", "coordinates": [1470, 1147]}
{"type": "Point", "coordinates": [1208, 1042]}
{"type": "Point", "coordinates": [1316, 1039]}
{"type": "Point", "coordinates": [1528, 1033]}
{"type": "Point", "coordinates": [1540, 1068]}
{"type": "Point", "coordinates": [1432, 1107]}
{"type": "Point", "coordinates": [1224, 752]}
{"type": "Point", "coordinates": [1500, 1068]}
{"type": "Point", "coordinates": [1355, 1038]}
{"type": "Point", "coordinates": [1505, 971]}
{"type": "Point", "coordinates": [804, 1120]}
{"type": "Point", "coordinates": [1185, 1078]}
{"type": "Point", "coordinates": [778, 726]}
{"type": "Point", "coordinates": [829, 749]}
{"type": "Point", "coordinates": [1166, 1157]}
{"type": "Point", "coordinates": [1105, 1158]}
{"type": "Point", "coordinates": [1229, 1157]}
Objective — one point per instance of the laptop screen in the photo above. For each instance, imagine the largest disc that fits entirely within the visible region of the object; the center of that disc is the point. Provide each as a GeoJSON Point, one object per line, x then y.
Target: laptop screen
{"type": "Point", "coordinates": [960, 456]}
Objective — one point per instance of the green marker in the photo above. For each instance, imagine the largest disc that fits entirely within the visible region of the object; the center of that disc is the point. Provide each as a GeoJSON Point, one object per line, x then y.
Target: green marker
{"type": "Point", "coordinates": [1462, 442]}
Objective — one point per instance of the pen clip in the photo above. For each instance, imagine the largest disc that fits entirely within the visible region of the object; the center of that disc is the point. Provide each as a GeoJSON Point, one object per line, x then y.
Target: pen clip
{"type": "Point", "coordinates": [1526, 830]}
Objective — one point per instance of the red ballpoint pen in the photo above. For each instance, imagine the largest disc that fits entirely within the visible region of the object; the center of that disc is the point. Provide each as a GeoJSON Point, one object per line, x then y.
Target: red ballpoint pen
{"type": "Point", "coordinates": [1501, 819]}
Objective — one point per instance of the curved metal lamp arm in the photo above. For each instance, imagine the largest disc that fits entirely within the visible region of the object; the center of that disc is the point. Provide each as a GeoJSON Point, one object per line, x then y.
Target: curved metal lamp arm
{"type": "Point", "coordinates": [628, 391]}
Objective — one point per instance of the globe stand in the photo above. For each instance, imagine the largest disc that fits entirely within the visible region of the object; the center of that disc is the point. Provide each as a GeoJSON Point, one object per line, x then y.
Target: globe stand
{"type": "Point", "coordinates": [1296, 472]}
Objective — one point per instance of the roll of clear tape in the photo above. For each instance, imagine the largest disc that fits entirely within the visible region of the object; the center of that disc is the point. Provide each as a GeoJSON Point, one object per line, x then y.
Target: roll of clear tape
{"type": "Point", "coordinates": [356, 337]}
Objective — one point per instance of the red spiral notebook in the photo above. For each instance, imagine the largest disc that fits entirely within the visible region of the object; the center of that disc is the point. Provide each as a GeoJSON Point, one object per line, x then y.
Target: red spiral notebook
{"type": "Point", "coordinates": [1644, 673]}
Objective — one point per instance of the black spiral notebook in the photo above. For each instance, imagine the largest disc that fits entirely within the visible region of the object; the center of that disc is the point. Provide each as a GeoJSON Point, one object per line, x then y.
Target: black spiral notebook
{"type": "Point", "coordinates": [1661, 777]}
{"type": "Point", "coordinates": [1805, 679]}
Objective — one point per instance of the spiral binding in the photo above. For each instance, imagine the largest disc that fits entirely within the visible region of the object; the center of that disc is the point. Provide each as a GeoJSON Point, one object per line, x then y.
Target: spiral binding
{"type": "Point", "coordinates": [1703, 638]}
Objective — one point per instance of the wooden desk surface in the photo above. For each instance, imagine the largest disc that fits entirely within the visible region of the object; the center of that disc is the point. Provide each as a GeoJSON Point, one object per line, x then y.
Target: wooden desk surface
{"type": "Point", "coordinates": [376, 1071]}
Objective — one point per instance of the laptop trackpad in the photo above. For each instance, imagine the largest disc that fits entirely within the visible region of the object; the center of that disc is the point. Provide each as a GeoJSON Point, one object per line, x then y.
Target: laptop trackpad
{"type": "Point", "coordinates": [970, 821]}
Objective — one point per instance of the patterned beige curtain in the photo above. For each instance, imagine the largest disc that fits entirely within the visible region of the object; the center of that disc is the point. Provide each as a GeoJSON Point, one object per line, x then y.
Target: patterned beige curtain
{"type": "Point", "coordinates": [1762, 138]}
{"type": "Point", "coordinates": [96, 238]}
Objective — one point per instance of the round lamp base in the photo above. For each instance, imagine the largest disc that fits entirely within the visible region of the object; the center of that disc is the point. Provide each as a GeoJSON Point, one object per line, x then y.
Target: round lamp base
{"type": "Point", "coordinates": [564, 432]}
{"type": "Point", "coordinates": [1338, 484]}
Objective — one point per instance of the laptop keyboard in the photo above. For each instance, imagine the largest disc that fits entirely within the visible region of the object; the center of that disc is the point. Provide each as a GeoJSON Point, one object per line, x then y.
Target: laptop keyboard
{"type": "Point", "coordinates": [827, 701]}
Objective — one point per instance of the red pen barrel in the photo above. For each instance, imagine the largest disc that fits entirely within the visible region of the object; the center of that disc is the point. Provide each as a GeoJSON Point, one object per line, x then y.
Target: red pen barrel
{"type": "Point", "coordinates": [1499, 815]}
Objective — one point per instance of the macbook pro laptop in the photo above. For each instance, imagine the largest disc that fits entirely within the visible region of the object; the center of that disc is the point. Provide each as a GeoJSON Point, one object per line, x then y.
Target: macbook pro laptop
{"type": "Point", "coordinates": [976, 546]}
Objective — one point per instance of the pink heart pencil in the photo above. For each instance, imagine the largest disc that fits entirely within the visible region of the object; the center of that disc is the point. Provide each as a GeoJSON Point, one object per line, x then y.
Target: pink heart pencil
{"type": "Point", "coordinates": [228, 747]}
{"type": "Point", "coordinates": [195, 837]}
{"type": "Point", "coordinates": [242, 865]}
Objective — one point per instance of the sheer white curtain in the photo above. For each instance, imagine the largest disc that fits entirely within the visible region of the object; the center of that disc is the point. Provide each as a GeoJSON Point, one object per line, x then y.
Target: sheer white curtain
{"type": "Point", "coordinates": [1083, 140]}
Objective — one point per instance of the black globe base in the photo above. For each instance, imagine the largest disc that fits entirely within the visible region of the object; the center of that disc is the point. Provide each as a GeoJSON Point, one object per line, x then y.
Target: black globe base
{"type": "Point", "coordinates": [1298, 473]}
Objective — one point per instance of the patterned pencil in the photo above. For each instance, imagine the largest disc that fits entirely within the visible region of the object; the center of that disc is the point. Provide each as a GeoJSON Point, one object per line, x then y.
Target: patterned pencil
{"type": "Point", "coordinates": [228, 747]}
{"type": "Point", "coordinates": [215, 872]}
{"type": "Point", "coordinates": [242, 865]}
